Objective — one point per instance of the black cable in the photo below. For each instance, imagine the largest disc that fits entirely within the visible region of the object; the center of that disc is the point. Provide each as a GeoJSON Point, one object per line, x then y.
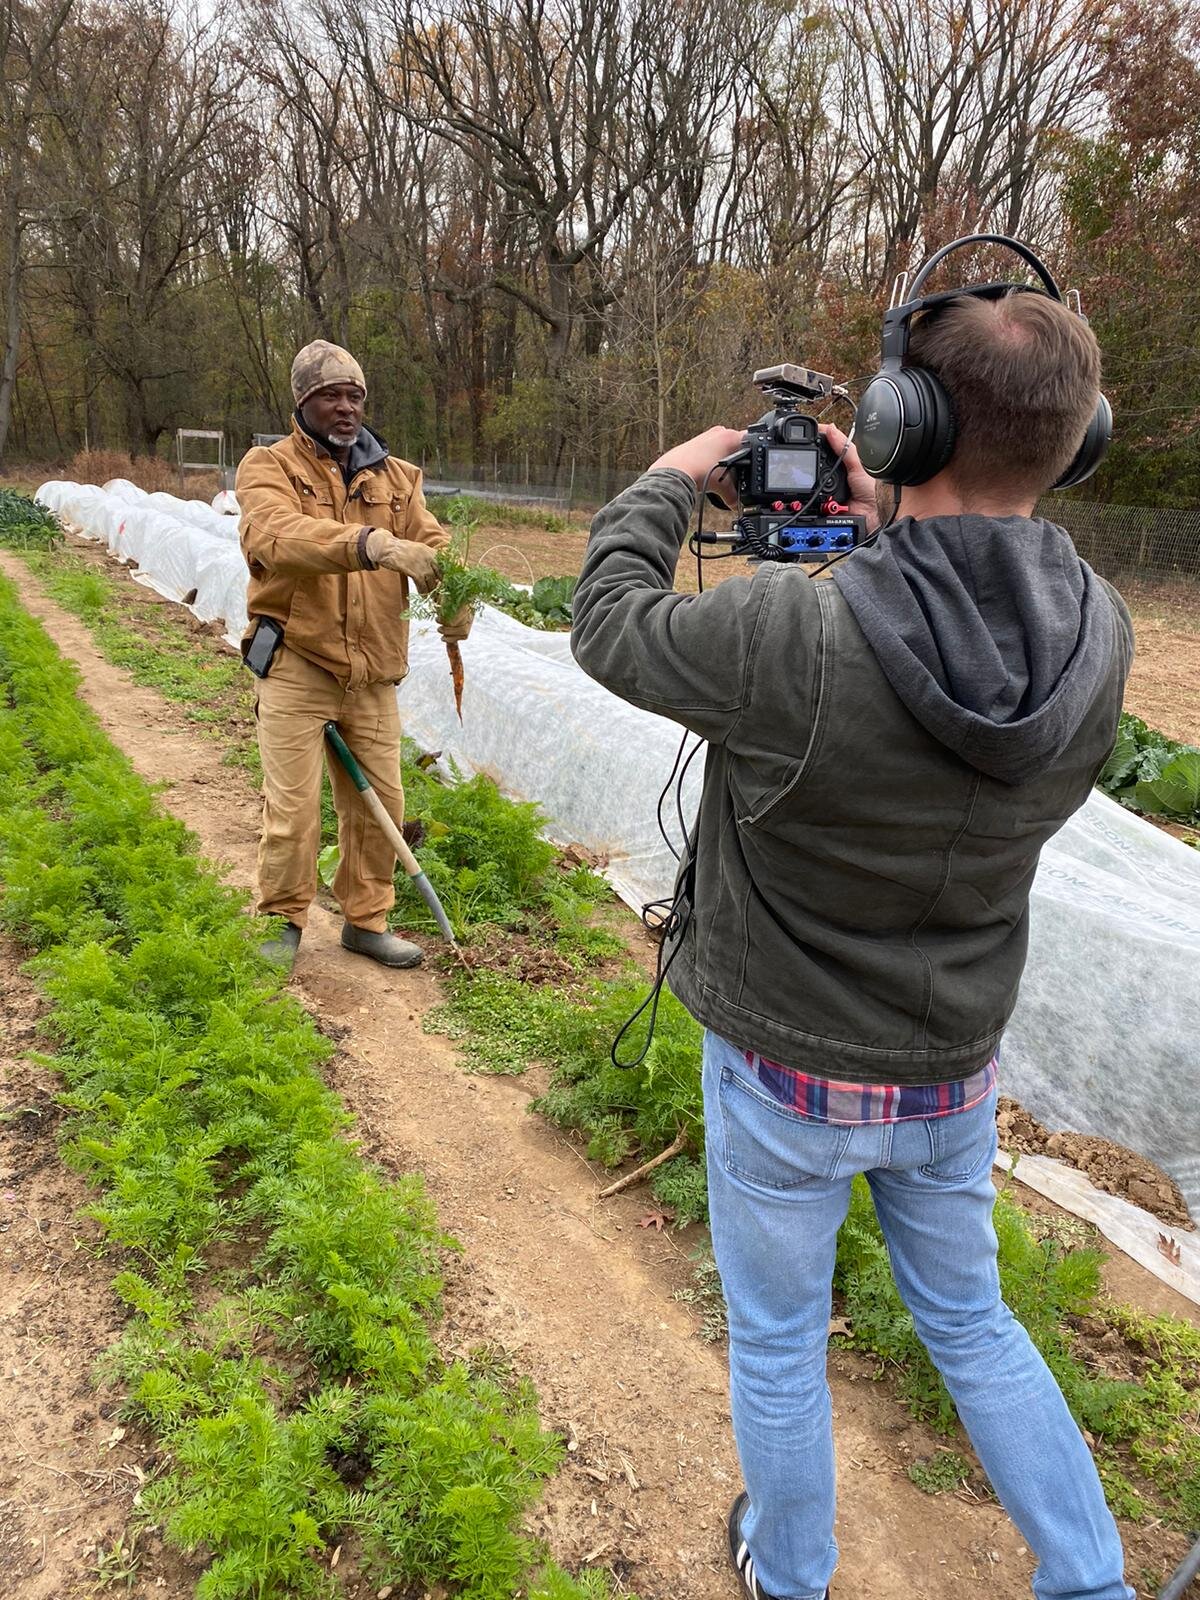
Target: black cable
{"type": "Point", "coordinates": [668, 918]}
{"type": "Point", "coordinates": [662, 827]}
{"type": "Point", "coordinates": [694, 539]}
{"type": "Point", "coordinates": [673, 927]}
{"type": "Point", "coordinates": [679, 816]}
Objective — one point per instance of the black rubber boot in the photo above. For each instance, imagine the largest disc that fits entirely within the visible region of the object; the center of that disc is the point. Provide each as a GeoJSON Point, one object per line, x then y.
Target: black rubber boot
{"type": "Point", "coordinates": [385, 948]}
{"type": "Point", "coordinates": [281, 950]}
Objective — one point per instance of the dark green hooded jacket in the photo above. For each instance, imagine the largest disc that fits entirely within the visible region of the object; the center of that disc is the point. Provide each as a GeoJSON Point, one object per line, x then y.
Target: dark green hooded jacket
{"type": "Point", "coordinates": [889, 750]}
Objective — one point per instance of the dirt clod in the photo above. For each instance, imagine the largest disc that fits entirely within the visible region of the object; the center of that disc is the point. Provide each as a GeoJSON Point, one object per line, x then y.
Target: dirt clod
{"type": "Point", "coordinates": [1110, 1166]}
{"type": "Point", "coordinates": [578, 855]}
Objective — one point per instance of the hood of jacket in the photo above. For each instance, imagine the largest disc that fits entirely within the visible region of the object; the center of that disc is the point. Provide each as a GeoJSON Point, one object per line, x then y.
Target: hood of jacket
{"type": "Point", "coordinates": [991, 630]}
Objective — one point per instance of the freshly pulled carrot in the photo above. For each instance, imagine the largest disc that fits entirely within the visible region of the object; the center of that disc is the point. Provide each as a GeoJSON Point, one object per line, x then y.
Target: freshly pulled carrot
{"type": "Point", "coordinates": [460, 586]}
{"type": "Point", "coordinates": [456, 674]}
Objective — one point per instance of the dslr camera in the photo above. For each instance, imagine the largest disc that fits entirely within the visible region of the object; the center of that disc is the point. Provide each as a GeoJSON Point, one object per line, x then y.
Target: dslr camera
{"type": "Point", "coordinates": [792, 489]}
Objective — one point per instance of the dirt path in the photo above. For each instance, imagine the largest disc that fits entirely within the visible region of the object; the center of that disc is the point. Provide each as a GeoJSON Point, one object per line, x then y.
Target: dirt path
{"type": "Point", "coordinates": [68, 1470]}
{"type": "Point", "coordinates": [1164, 683]}
{"type": "Point", "coordinates": [570, 1287]}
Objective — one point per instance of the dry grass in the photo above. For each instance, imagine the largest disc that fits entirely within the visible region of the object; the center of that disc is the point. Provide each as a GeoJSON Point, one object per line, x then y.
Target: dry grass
{"type": "Point", "coordinates": [151, 473]}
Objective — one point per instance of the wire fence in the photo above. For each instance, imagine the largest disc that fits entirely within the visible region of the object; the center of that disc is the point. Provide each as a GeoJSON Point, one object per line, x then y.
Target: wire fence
{"type": "Point", "coordinates": [1126, 543]}
{"type": "Point", "coordinates": [572, 486]}
{"type": "Point", "coordinates": [1139, 543]}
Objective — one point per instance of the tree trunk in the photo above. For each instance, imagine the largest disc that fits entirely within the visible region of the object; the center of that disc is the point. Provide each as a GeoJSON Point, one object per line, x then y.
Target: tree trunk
{"type": "Point", "coordinates": [12, 324]}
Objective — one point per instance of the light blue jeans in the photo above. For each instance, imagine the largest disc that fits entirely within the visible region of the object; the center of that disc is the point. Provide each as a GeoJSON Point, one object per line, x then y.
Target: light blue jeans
{"type": "Point", "coordinates": [778, 1190]}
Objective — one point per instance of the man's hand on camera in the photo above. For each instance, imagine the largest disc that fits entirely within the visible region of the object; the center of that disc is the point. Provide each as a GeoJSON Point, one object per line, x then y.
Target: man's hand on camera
{"type": "Point", "coordinates": [700, 455]}
{"type": "Point", "coordinates": [416, 561]}
{"type": "Point", "coordinates": [862, 484]}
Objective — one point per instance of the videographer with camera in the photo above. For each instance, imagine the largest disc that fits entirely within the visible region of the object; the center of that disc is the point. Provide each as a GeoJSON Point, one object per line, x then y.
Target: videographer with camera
{"type": "Point", "coordinates": [888, 751]}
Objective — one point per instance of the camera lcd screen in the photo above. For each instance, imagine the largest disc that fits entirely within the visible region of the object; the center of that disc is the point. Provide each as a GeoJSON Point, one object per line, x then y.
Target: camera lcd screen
{"type": "Point", "coordinates": [791, 469]}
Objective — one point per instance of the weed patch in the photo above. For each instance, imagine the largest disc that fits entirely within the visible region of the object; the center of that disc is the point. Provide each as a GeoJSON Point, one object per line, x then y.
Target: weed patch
{"type": "Point", "coordinates": [497, 513]}
{"type": "Point", "coordinates": [706, 1297]}
{"type": "Point", "coordinates": [941, 1473]}
{"type": "Point", "coordinates": [197, 1109]}
{"type": "Point", "coordinates": [209, 685]}
{"type": "Point", "coordinates": [502, 1024]}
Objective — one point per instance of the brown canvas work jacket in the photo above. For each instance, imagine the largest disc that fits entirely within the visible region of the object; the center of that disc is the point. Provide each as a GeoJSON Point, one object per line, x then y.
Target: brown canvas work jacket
{"type": "Point", "coordinates": [303, 533]}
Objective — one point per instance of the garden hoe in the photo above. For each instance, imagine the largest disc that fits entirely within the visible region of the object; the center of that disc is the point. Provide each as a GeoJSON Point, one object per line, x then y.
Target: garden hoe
{"type": "Point", "coordinates": [395, 838]}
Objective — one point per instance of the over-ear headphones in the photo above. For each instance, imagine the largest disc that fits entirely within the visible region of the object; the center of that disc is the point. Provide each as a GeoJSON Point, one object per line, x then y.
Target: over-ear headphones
{"type": "Point", "coordinates": [905, 428]}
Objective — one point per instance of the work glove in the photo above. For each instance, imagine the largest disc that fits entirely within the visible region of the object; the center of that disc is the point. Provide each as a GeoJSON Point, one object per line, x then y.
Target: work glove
{"type": "Point", "coordinates": [457, 629]}
{"type": "Point", "coordinates": [416, 561]}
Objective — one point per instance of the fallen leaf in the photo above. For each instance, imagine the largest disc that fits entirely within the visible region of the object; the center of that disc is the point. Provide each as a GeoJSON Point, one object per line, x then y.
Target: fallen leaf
{"type": "Point", "coordinates": [653, 1219]}
{"type": "Point", "coordinates": [1170, 1249]}
{"type": "Point", "coordinates": [839, 1325]}
{"type": "Point", "coordinates": [335, 1557]}
{"type": "Point", "coordinates": [114, 1438]}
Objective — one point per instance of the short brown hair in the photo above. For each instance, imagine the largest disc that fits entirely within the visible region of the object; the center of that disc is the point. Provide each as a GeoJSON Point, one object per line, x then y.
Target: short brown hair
{"type": "Point", "coordinates": [1023, 376]}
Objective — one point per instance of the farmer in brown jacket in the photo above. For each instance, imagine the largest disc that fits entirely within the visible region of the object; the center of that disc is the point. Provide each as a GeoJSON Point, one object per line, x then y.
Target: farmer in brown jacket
{"type": "Point", "coordinates": [334, 530]}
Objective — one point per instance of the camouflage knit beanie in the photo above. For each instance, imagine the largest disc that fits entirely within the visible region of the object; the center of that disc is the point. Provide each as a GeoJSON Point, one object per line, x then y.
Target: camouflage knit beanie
{"type": "Point", "coordinates": [321, 363]}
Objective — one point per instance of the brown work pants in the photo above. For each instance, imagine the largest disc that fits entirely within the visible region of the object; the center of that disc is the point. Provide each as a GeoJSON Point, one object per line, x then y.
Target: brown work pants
{"type": "Point", "coordinates": [295, 701]}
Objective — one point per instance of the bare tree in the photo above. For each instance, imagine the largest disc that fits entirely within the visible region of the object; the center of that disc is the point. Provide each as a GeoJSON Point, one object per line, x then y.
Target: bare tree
{"type": "Point", "coordinates": [138, 206]}
{"type": "Point", "coordinates": [959, 109]}
{"type": "Point", "coordinates": [28, 34]}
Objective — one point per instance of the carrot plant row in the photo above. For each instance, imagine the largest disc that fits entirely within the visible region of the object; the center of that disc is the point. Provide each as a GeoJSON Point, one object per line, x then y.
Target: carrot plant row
{"type": "Point", "coordinates": [283, 1294]}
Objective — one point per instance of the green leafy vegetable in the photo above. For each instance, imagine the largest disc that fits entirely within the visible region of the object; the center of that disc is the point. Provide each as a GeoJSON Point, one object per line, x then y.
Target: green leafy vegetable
{"type": "Point", "coordinates": [1149, 772]}
{"type": "Point", "coordinates": [24, 524]}
{"type": "Point", "coordinates": [283, 1293]}
{"type": "Point", "coordinates": [1176, 789]}
{"type": "Point", "coordinates": [552, 597]}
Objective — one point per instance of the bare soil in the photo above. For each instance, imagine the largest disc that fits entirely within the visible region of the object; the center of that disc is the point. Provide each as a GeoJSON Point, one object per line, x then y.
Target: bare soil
{"type": "Point", "coordinates": [570, 1286]}
{"type": "Point", "coordinates": [1164, 685]}
{"type": "Point", "coordinates": [1109, 1166]}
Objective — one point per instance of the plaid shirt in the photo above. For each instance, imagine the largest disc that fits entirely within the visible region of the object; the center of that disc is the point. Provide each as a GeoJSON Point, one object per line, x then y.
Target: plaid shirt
{"type": "Point", "coordinates": [825, 1100]}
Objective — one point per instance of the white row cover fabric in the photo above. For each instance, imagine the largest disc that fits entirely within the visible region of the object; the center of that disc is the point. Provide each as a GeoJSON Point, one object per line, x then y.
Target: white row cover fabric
{"type": "Point", "coordinates": [1106, 1036]}
{"type": "Point", "coordinates": [182, 549]}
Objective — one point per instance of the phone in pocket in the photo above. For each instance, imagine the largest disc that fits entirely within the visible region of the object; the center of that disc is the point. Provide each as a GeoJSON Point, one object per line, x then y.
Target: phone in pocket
{"type": "Point", "coordinates": [265, 641]}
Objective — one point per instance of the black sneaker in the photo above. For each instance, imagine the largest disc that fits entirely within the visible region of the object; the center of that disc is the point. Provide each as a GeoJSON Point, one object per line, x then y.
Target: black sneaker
{"type": "Point", "coordinates": [739, 1552]}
